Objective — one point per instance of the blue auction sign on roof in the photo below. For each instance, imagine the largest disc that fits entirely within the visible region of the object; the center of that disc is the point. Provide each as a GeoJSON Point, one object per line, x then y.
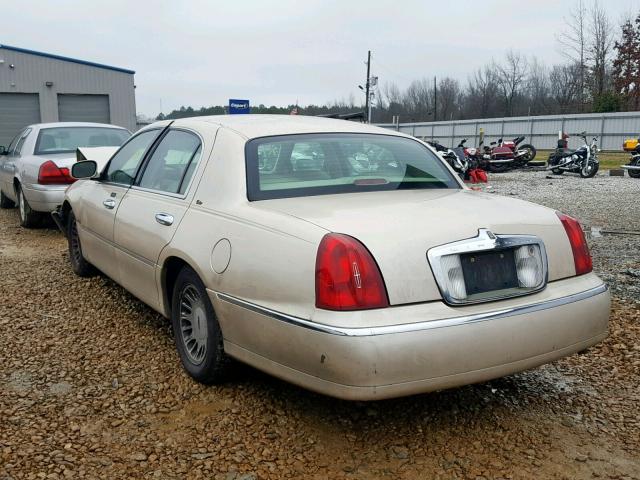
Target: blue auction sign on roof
{"type": "Point", "coordinates": [238, 106]}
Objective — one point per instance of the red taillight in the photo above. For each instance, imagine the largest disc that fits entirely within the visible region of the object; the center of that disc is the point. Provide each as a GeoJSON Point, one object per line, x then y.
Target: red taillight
{"type": "Point", "coordinates": [581, 256]}
{"type": "Point", "coordinates": [51, 174]}
{"type": "Point", "coordinates": [347, 276]}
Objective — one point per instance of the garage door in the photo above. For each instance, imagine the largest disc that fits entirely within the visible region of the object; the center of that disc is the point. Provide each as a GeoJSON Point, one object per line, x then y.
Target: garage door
{"type": "Point", "coordinates": [83, 108]}
{"type": "Point", "coordinates": [17, 110]}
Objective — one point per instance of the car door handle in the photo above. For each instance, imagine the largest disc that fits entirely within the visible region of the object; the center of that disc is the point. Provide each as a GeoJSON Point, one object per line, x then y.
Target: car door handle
{"type": "Point", "coordinates": [164, 219]}
{"type": "Point", "coordinates": [109, 203]}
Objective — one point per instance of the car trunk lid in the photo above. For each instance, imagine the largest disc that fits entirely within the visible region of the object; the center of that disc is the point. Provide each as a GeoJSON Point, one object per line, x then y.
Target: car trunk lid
{"type": "Point", "coordinates": [399, 227]}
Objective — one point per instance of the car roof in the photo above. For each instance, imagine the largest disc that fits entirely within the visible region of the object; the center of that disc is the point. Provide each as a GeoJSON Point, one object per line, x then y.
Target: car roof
{"type": "Point", "coordinates": [253, 126]}
{"type": "Point", "coordinates": [74, 124]}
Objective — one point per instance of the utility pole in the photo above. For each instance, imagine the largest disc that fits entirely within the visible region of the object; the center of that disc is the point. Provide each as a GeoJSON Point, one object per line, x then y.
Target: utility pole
{"type": "Point", "coordinates": [366, 93]}
{"type": "Point", "coordinates": [435, 100]}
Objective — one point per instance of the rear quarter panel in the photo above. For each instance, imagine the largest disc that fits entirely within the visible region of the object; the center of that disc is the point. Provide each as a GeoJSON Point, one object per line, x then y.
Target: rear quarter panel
{"type": "Point", "coordinates": [272, 261]}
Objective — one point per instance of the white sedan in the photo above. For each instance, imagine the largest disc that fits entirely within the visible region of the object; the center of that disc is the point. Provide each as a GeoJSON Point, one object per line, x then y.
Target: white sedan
{"type": "Point", "coordinates": [344, 258]}
{"type": "Point", "coordinates": [34, 168]}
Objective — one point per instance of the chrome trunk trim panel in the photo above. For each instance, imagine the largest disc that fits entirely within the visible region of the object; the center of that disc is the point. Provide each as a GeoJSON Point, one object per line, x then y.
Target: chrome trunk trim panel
{"type": "Point", "coordinates": [484, 241]}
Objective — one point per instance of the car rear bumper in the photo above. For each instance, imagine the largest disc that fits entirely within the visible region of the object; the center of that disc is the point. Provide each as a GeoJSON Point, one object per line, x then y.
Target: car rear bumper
{"type": "Point", "coordinates": [413, 355]}
{"type": "Point", "coordinates": [44, 198]}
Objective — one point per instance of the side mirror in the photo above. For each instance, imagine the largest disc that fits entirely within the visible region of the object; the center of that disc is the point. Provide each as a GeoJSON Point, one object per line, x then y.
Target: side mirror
{"type": "Point", "coordinates": [3, 150]}
{"type": "Point", "coordinates": [84, 169]}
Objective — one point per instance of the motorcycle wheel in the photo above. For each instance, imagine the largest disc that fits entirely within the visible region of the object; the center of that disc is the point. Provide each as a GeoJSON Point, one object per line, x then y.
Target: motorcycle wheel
{"type": "Point", "coordinates": [532, 152]}
{"type": "Point", "coordinates": [592, 169]}
{"type": "Point", "coordinates": [634, 173]}
{"type": "Point", "coordinates": [498, 167]}
{"type": "Point", "coordinates": [551, 161]}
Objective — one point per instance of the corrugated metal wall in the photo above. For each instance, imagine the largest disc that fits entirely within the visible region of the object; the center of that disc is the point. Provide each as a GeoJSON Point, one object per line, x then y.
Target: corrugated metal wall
{"type": "Point", "coordinates": [610, 128]}
{"type": "Point", "coordinates": [31, 72]}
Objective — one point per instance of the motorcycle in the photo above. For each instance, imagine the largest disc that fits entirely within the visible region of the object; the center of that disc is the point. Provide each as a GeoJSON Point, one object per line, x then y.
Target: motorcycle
{"type": "Point", "coordinates": [505, 155]}
{"type": "Point", "coordinates": [476, 166]}
{"type": "Point", "coordinates": [524, 153]}
{"type": "Point", "coordinates": [584, 160]}
{"type": "Point", "coordinates": [633, 168]}
{"type": "Point", "coordinates": [453, 156]}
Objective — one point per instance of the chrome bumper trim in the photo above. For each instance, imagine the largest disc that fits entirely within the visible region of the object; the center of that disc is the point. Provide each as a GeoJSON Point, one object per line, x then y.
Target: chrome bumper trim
{"type": "Point", "coordinates": [416, 326]}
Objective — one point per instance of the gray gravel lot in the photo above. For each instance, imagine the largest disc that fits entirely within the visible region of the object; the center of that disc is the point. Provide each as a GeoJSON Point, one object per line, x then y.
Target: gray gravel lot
{"type": "Point", "coordinates": [91, 385]}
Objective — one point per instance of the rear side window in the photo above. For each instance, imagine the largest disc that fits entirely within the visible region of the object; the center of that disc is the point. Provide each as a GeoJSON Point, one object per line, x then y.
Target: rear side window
{"type": "Point", "coordinates": [172, 163]}
{"type": "Point", "coordinates": [18, 148]}
{"type": "Point", "coordinates": [320, 164]}
{"type": "Point", "coordinates": [67, 139]}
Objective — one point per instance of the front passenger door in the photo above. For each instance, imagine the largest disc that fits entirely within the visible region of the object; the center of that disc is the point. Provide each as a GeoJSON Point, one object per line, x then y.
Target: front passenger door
{"type": "Point", "coordinates": [101, 200]}
{"type": "Point", "coordinates": [152, 210]}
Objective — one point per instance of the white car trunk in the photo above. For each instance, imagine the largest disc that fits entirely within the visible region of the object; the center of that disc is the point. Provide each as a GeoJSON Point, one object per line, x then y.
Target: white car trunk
{"type": "Point", "coordinates": [100, 155]}
{"type": "Point", "coordinates": [399, 227]}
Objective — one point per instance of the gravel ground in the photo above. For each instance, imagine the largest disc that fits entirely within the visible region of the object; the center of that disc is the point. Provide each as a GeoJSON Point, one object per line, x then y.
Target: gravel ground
{"type": "Point", "coordinates": [91, 385]}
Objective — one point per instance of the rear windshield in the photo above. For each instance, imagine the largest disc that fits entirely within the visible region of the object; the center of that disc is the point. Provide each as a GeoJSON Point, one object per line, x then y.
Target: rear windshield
{"type": "Point", "coordinates": [320, 164]}
{"type": "Point", "coordinates": [67, 139]}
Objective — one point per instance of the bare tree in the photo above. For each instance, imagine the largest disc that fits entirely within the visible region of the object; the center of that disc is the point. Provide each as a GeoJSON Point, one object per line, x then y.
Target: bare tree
{"type": "Point", "coordinates": [564, 84]}
{"type": "Point", "coordinates": [482, 93]}
{"type": "Point", "coordinates": [512, 73]}
{"type": "Point", "coordinates": [419, 99]}
{"type": "Point", "coordinates": [538, 88]}
{"type": "Point", "coordinates": [600, 44]}
{"type": "Point", "coordinates": [448, 98]}
{"type": "Point", "coordinates": [574, 42]}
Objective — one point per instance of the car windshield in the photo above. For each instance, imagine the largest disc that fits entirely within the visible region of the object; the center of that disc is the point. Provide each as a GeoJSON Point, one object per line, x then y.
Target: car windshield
{"type": "Point", "coordinates": [329, 163]}
{"type": "Point", "coordinates": [67, 139]}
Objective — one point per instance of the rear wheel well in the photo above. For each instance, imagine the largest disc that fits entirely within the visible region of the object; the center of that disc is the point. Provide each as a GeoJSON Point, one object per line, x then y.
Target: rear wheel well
{"type": "Point", "coordinates": [170, 271]}
{"type": "Point", "coordinates": [64, 211]}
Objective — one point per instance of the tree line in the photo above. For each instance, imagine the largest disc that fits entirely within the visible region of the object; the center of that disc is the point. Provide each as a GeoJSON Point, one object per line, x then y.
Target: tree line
{"type": "Point", "coordinates": [600, 73]}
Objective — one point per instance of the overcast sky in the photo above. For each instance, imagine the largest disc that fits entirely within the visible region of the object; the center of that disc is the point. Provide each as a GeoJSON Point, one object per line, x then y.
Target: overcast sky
{"type": "Point", "coordinates": [202, 53]}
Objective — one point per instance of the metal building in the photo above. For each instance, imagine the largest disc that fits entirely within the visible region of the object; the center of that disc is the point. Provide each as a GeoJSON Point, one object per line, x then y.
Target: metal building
{"type": "Point", "coordinates": [37, 87]}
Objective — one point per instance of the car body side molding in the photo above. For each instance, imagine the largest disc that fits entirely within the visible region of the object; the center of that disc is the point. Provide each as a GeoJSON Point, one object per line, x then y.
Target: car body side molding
{"type": "Point", "coordinates": [416, 326]}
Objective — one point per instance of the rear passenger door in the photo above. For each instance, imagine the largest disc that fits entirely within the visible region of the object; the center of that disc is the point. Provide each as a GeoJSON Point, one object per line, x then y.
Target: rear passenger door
{"type": "Point", "coordinates": [152, 209]}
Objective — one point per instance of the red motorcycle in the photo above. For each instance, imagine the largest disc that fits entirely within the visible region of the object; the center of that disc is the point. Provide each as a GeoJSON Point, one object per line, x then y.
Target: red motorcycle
{"type": "Point", "coordinates": [507, 155]}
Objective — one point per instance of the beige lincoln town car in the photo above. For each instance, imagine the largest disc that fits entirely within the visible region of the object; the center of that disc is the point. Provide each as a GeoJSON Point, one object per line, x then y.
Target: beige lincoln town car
{"type": "Point", "coordinates": [345, 258]}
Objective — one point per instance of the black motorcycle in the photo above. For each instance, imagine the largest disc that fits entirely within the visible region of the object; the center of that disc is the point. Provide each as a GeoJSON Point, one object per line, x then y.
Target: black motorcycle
{"type": "Point", "coordinates": [584, 160]}
{"type": "Point", "coordinates": [454, 157]}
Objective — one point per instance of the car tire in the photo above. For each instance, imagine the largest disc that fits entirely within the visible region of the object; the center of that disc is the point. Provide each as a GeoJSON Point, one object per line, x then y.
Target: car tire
{"type": "Point", "coordinates": [28, 217]}
{"type": "Point", "coordinates": [79, 264]}
{"type": "Point", "coordinates": [6, 202]}
{"type": "Point", "coordinates": [196, 330]}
